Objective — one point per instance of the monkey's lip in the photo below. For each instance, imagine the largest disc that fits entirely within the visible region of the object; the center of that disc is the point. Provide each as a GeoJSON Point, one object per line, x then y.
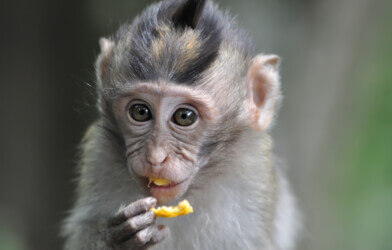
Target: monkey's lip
{"type": "Point", "coordinates": [167, 186]}
{"type": "Point", "coordinates": [170, 185]}
{"type": "Point", "coordinates": [158, 181]}
{"type": "Point", "coordinates": [163, 185]}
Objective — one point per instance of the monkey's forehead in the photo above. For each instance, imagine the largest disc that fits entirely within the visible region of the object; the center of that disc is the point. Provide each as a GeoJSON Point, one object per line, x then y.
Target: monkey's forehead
{"type": "Point", "coordinates": [160, 88]}
{"type": "Point", "coordinates": [153, 47]}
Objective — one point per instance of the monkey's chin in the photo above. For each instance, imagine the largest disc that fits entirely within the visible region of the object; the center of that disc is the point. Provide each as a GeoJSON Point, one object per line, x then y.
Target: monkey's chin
{"type": "Point", "coordinates": [165, 195]}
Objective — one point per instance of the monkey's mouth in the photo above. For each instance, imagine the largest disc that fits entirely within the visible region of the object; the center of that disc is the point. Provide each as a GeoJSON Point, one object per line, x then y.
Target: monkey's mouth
{"type": "Point", "coordinates": [160, 183]}
{"type": "Point", "coordinates": [164, 190]}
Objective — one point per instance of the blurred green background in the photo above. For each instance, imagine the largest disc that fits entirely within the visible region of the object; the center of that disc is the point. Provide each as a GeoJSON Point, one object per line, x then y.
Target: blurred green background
{"type": "Point", "coordinates": [334, 131]}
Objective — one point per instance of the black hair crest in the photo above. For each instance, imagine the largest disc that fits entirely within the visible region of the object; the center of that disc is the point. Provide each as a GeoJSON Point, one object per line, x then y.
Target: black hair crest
{"type": "Point", "coordinates": [198, 15]}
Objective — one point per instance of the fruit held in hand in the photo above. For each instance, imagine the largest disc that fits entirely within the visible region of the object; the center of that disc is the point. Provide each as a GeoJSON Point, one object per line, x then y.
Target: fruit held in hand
{"type": "Point", "coordinates": [183, 208]}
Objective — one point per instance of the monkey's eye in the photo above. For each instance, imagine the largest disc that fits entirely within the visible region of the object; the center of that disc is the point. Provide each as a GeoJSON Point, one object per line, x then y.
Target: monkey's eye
{"type": "Point", "coordinates": [140, 112]}
{"type": "Point", "coordinates": [184, 117]}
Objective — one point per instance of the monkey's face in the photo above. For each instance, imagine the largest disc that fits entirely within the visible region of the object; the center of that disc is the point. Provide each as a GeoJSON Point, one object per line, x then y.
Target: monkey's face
{"type": "Point", "coordinates": [163, 127]}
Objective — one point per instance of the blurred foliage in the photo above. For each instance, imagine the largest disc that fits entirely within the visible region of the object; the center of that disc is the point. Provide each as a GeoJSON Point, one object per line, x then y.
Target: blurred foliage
{"type": "Point", "coordinates": [9, 240]}
{"type": "Point", "coordinates": [362, 194]}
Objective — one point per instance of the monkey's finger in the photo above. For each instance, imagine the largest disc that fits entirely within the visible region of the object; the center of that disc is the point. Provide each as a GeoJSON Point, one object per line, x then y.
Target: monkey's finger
{"type": "Point", "coordinates": [133, 209]}
{"type": "Point", "coordinates": [124, 231]}
{"type": "Point", "coordinates": [162, 233]}
{"type": "Point", "coordinates": [148, 237]}
{"type": "Point", "coordinates": [144, 236]}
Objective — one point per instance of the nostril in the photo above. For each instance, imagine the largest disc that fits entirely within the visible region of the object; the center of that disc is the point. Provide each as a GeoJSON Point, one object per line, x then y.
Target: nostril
{"type": "Point", "coordinates": [164, 160]}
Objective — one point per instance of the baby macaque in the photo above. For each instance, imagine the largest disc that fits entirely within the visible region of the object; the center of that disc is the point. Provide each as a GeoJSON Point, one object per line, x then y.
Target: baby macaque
{"type": "Point", "coordinates": [185, 111]}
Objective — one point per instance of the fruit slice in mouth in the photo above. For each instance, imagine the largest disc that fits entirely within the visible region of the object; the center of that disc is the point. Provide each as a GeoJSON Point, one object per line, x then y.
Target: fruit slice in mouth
{"type": "Point", "coordinates": [183, 208]}
{"type": "Point", "coordinates": [158, 182]}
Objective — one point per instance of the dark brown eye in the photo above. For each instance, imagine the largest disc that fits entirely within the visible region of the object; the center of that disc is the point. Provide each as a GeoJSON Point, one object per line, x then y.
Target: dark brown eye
{"type": "Point", "coordinates": [140, 112]}
{"type": "Point", "coordinates": [184, 117]}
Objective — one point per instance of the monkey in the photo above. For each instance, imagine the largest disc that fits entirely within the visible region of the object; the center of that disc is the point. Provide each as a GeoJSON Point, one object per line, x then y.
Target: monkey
{"type": "Point", "coordinates": [182, 96]}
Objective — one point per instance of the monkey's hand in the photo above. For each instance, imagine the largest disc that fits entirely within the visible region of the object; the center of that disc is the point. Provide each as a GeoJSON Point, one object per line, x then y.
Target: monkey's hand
{"type": "Point", "coordinates": [133, 227]}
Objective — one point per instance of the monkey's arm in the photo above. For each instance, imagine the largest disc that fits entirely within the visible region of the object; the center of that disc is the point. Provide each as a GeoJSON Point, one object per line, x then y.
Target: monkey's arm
{"type": "Point", "coordinates": [85, 234]}
{"type": "Point", "coordinates": [96, 222]}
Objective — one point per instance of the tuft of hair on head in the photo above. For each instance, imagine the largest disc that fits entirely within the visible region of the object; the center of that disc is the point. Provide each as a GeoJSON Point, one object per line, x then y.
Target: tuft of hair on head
{"type": "Point", "coordinates": [172, 40]}
{"type": "Point", "coordinates": [188, 14]}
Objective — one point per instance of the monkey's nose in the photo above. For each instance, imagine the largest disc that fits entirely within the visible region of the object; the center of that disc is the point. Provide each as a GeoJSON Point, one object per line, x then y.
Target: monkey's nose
{"type": "Point", "coordinates": [157, 158]}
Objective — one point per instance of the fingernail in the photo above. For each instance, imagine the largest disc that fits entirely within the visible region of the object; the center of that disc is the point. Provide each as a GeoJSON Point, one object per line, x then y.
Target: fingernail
{"type": "Point", "coordinates": [152, 201]}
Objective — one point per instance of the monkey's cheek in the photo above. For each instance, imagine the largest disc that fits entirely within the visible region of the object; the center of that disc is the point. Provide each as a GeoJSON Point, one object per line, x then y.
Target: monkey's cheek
{"type": "Point", "coordinates": [166, 195]}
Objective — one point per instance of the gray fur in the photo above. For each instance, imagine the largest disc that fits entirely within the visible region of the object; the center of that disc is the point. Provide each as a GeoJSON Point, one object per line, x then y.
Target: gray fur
{"type": "Point", "coordinates": [235, 201]}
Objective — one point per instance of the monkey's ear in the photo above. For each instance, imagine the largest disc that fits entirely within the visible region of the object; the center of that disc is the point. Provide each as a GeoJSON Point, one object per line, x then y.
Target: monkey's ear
{"type": "Point", "coordinates": [188, 13]}
{"type": "Point", "coordinates": [101, 68]}
{"type": "Point", "coordinates": [102, 61]}
{"type": "Point", "coordinates": [263, 90]}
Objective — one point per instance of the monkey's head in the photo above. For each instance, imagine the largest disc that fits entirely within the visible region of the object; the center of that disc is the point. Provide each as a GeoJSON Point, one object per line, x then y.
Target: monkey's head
{"type": "Point", "coordinates": [178, 85]}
